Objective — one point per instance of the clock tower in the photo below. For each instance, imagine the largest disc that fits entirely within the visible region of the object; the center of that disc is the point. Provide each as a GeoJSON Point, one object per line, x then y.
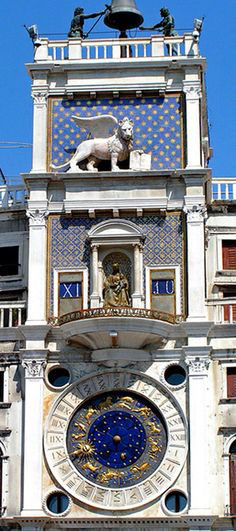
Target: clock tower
{"type": "Point", "coordinates": [117, 359]}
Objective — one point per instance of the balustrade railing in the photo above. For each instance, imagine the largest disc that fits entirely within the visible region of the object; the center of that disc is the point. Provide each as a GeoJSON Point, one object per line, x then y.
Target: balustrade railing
{"type": "Point", "coordinates": [103, 49]}
{"type": "Point", "coordinates": [12, 313]}
{"type": "Point", "coordinates": [224, 188]}
{"type": "Point", "coordinates": [222, 311]}
{"type": "Point", "coordinates": [12, 196]}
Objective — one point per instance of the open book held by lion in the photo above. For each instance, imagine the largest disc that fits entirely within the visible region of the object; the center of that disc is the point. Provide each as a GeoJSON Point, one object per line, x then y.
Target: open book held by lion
{"type": "Point", "coordinates": [115, 148]}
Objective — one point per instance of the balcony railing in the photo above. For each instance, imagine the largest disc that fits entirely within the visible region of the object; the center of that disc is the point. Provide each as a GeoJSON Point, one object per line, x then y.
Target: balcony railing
{"type": "Point", "coordinates": [223, 311]}
{"type": "Point", "coordinates": [115, 312]}
{"type": "Point", "coordinates": [12, 196]}
{"type": "Point", "coordinates": [12, 313]}
{"type": "Point", "coordinates": [108, 49]}
{"type": "Point", "coordinates": [224, 188]}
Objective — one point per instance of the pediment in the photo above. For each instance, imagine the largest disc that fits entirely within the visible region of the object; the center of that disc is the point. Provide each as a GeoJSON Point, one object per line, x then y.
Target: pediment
{"type": "Point", "coordinates": [115, 229]}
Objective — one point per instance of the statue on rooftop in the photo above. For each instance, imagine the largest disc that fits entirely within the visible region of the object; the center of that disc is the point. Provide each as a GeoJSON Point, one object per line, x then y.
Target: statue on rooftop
{"type": "Point", "coordinates": [166, 26]}
{"type": "Point", "coordinates": [77, 23]}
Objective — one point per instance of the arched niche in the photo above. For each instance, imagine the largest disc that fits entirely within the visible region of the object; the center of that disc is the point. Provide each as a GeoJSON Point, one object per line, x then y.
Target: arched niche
{"type": "Point", "coordinates": [110, 237]}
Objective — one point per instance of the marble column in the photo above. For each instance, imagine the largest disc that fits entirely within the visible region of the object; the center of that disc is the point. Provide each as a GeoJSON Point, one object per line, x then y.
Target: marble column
{"type": "Point", "coordinates": [136, 296]}
{"type": "Point", "coordinates": [198, 428]}
{"type": "Point", "coordinates": [37, 267]}
{"type": "Point", "coordinates": [195, 262]}
{"type": "Point", "coordinates": [94, 298]}
{"type": "Point", "coordinates": [192, 91]}
{"type": "Point", "coordinates": [33, 434]}
{"type": "Point", "coordinates": [40, 131]}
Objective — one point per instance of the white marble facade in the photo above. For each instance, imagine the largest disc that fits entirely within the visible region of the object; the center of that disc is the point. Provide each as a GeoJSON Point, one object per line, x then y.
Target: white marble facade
{"type": "Point", "coordinates": [129, 350]}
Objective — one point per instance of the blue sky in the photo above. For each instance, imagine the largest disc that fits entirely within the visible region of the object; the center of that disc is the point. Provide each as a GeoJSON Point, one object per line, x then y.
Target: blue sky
{"type": "Point", "coordinates": [218, 44]}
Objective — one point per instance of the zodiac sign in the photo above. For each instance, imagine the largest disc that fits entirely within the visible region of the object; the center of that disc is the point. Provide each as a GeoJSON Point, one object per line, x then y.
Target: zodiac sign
{"type": "Point", "coordinates": [144, 411]}
{"type": "Point", "coordinates": [78, 436]}
{"type": "Point", "coordinates": [107, 404]}
{"type": "Point", "coordinates": [91, 411]}
{"type": "Point", "coordinates": [154, 446]}
{"type": "Point", "coordinates": [153, 427]}
{"type": "Point", "coordinates": [81, 426]}
{"type": "Point", "coordinates": [106, 476]}
{"type": "Point", "coordinates": [92, 468]}
{"type": "Point", "coordinates": [138, 470]}
{"type": "Point", "coordinates": [126, 402]}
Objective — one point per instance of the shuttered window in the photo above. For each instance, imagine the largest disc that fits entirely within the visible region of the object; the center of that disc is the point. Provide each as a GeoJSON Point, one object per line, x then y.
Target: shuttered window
{"type": "Point", "coordinates": [231, 294]}
{"type": "Point", "coordinates": [231, 382]}
{"type": "Point", "coordinates": [232, 477]}
{"type": "Point", "coordinates": [229, 254]}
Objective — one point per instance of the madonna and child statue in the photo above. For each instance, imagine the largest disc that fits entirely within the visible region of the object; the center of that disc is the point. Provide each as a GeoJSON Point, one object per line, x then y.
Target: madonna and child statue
{"type": "Point", "coordinates": [116, 289]}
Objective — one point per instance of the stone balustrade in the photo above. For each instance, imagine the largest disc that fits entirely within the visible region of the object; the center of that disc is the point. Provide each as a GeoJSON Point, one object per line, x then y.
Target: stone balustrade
{"type": "Point", "coordinates": [224, 188]}
{"type": "Point", "coordinates": [222, 311]}
{"type": "Point", "coordinates": [108, 49]}
{"type": "Point", "coordinates": [12, 196]}
{"type": "Point", "coordinates": [12, 313]}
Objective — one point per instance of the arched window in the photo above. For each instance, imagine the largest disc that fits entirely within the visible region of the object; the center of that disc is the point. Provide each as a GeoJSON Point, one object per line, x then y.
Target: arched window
{"type": "Point", "coordinates": [232, 477]}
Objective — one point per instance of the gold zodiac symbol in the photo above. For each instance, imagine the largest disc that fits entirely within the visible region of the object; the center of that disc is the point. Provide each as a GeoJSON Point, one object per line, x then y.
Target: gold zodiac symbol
{"type": "Point", "coordinates": [92, 468]}
{"type": "Point", "coordinates": [138, 470]}
{"type": "Point", "coordinates": [153, 427]}
{"type": "Point", "coordinates": [90, 413]}
{"type": "Point", "coordinates": [78, 436]}
{"type": "Point", "coordinates": [106, 476]}
{"type": "Point", "coordinates": [144, 411]}
{"type": "Point", "coordinates": [107, 404]}
{"type": "Point", "coordinates": [154, 446]}
{"type": "Point", "coordinates": [126, 401]}
{"type": "Point", "coordinates": [81, 426]}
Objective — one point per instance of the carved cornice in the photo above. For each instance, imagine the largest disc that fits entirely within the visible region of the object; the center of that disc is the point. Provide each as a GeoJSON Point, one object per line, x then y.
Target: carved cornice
{"type": "Point", "coordinates": [37, 217]}
{"type": "Point", "coordinates": [195, 213]}
{"type": "Point", "coordinates": [197, 365]}
{"type": "Point", "coordinates": [34, 368]}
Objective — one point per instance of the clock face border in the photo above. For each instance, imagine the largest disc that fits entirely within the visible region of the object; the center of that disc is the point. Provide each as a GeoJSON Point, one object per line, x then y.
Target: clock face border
{"type": "Point", "coordinates": [102, 497]}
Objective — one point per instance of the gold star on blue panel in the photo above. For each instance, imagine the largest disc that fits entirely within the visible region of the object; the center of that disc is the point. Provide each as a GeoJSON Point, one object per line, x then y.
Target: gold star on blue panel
{"type": "Point", "coordinates": [158, 118]}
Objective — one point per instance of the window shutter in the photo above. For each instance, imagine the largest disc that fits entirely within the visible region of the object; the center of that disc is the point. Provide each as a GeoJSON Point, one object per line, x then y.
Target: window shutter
{"type": "Point", "coordinates": [232, 479]}
{"type": "Point", "coordinates": [231, 382]}
{"type": "Point", "coordinates": [229, 254]}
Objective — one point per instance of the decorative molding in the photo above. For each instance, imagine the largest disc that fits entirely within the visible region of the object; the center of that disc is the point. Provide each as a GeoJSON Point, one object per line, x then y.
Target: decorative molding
{"type": "Point", "coordinates": [197, 365]}
{"type": "Point", "coordinates": [40, 98]}
{"type": "Point", "coordinates": [192, 90]}
{"type": "Point", "coordinates": [195, 213]}
{"type": "Point", "coordinates": [34, 368]}
{"type": "Point", "coordinates": [37, 217]}
{"type": "Point", "coordinates": [222, 230]}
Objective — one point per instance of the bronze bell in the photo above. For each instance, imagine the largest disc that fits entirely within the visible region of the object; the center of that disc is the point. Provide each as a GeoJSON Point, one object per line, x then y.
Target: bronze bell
{"type": "Point", "coordinates": [124, 15]}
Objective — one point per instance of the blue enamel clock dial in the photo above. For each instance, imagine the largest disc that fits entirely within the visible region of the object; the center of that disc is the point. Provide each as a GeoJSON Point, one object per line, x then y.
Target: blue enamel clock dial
{"type": "Point", "coordinates": [119, 438]}
{"type": "Point", "coordinates": [116, 439]}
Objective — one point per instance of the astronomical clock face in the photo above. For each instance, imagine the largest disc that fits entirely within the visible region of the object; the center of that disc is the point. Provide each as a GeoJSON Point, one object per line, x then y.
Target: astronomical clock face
{"type": "Point", "coordinates": [116, 438]}
{"type": "Point", "coordinates": [116, 448]}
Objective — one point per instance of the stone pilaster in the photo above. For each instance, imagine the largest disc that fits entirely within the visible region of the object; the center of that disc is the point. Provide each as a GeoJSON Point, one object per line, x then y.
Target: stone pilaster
{"type": "Point", "coordinates": [192, 92]}
{"type": "Point", "coordinates": [40, 98]}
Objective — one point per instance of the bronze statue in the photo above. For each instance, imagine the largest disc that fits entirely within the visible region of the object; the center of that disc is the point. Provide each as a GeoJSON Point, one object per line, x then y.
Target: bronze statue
{"type": "Point", "coordinates": [116, 288]}
{"type": "Point", "coordinates": [77, 24]}
{"type": "Point", "coordinates": [166, 26]}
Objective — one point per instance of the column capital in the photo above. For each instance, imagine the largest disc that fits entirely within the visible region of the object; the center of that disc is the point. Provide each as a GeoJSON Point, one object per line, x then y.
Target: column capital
{"type": "Point", "coordinates": [34, 368]}
{"type": "Point", "coordinates": [192, 90]}
{"type": "Point", "coordinates": [195, 213]}
{"type": "Point", "coordinates": [197, 366]}
{"type": "Point", "coordinates": [37, 217]}
{"type": "Point", "coordinates": [40, 97]}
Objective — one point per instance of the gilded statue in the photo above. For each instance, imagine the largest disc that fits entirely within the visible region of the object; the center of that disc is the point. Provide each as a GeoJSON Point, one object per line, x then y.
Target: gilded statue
{"type": "Point", "coordinates": [116, 288]}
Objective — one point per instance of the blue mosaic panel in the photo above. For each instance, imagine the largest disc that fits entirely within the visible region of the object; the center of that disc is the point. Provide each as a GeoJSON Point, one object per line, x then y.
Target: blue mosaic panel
{"type": "Point", "coordinates": [69, 246]}
{"type": "Point", "coordinates": [157, 127]}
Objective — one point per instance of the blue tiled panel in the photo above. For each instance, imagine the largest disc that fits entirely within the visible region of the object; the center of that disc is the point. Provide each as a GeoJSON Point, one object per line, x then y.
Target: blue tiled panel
{"type": "Point", "coordinates": [157, 126]}
{"type": "Point", "coordinates": [69, 245]}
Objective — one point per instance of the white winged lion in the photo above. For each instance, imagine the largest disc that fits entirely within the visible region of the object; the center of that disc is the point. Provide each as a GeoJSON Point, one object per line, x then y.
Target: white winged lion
{"type": "Point", "coordinates": [102, 147]}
